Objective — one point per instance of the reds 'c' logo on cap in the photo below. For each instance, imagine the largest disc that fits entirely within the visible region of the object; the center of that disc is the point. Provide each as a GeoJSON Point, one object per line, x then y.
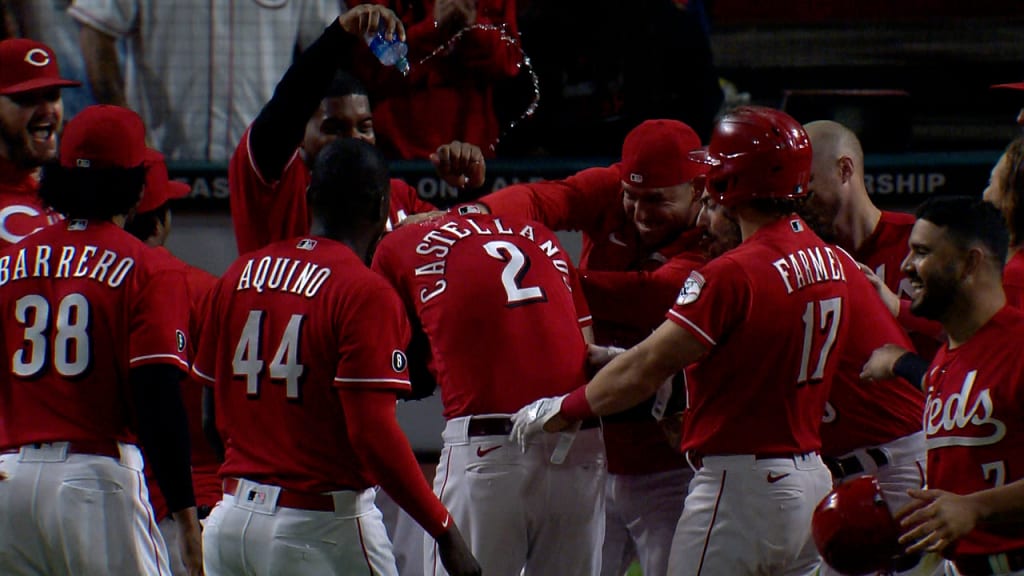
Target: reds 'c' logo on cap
{"type": "Point", "coordinates": [37, 57]}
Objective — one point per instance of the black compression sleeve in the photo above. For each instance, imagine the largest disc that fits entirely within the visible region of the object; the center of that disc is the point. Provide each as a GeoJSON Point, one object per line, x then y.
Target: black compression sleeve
{"type": "Point", "coordinates": [163, 431]}
{"type": "Point", "coordinates": [911, 368]}
{"type": "Point", "coordinates": [278, 130]}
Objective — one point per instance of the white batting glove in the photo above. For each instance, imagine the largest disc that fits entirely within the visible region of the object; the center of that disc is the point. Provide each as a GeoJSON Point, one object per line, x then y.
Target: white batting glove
{"type": "Point", "coordinates": [530, 419]}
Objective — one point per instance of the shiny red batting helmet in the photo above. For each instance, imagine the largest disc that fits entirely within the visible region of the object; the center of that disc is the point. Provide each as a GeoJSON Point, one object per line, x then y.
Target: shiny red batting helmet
{"type": "Point", "coordinates": [757, 152]}
{"type": "Point", "coordinates": [854, 529]}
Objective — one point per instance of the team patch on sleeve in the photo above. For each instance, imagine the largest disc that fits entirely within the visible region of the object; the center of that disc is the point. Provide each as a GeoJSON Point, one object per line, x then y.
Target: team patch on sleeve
{"type": "Point", "coordinates": [398, 361]}
{"type": "Point", "coordinates": [691, 289]}
{"type": "Point", "coordinates": [180, 339]}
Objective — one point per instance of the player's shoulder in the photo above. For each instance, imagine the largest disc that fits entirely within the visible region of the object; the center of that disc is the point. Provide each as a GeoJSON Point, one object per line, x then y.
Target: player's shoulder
{"type": "Point", "coordinates": [897, 221]}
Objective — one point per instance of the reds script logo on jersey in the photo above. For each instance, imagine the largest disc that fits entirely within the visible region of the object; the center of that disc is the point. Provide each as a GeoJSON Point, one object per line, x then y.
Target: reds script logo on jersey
{"type": "Point", "coordinates": [979, 426]}
{"type": "Point", "coordinates": [691, 289]}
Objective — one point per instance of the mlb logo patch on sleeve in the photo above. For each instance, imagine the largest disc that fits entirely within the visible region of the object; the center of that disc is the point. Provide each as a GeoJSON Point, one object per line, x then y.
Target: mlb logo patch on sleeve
{"type": "Point", "coordinates": [691, 289]}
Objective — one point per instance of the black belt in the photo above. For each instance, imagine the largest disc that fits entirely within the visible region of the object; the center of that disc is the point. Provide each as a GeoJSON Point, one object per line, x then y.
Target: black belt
{"type": "Point", "coordinates": [502, 425]}
{"type": "Point", "coordinates": [843, 467]}
{"type": "Point", "coordinates": [981, 564]}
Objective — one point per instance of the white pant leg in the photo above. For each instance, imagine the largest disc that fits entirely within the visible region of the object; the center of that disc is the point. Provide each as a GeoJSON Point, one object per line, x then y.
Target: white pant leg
{"type": "Point", "coordinates": [352, 540]}
{"type": "Point", "coordinates": [518, 510]}
{"type": "Point", "coordinates": [77, 514]}
{"type": "Point", "coordinates": [617, 551]}
{"type": "Point", "coordinates": [750, 517]}
{"type": "Point", "coordinates": [406, 536]}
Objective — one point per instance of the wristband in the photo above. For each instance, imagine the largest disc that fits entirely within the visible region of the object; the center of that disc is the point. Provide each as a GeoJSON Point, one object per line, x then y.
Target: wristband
{"type": "Point", "coordinates": [576, 407]}
{"type": "Point", "coordinates": [911, 368]}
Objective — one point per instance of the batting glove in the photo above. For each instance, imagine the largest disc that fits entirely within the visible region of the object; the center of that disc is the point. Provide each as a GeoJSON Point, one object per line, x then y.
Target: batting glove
{"type": "Point", "coordinates": [530, 419]}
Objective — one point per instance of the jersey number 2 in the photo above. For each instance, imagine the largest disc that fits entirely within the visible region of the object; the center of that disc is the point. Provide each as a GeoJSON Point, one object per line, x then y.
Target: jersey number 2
{"type": "Point", "coordinates": [517, 264]}
{"type": "Point", "coordinates": [70, 336]}
{"type": "Point", "coordinates": [285, 365]}
{"type": "Point", "coordinates": [820, 318]}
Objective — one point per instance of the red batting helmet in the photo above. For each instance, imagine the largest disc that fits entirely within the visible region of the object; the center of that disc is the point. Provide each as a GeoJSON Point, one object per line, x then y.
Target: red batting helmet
{"type": "Point", "coordinates": [854, 529]}
{"type": "Point", "coordinates": [757, 152]}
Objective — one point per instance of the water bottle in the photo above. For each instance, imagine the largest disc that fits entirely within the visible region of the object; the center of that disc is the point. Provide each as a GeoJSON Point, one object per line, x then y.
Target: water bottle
{"type": "Point", "coordinates": [389, 52]}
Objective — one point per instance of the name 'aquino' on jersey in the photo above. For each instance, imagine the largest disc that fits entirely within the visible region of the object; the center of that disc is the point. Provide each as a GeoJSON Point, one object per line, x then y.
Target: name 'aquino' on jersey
{"type": "Point", "coordinates": [439, 243]}
{"type": "Point", "coordinates": [807, 266]}
{"type": "Point", "coordinates": [281, 274]}
{"type": "Point", "coordinates": [43, 261]}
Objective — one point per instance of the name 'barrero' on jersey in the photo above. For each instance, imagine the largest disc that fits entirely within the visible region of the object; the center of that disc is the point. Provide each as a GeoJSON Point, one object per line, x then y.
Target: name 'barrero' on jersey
{"type": "Point", "coordinates": [279, 274]}
{"type": "Point", "coordinates": [39, 261]}
{"type": "Point", "coordinates": [439, 242]}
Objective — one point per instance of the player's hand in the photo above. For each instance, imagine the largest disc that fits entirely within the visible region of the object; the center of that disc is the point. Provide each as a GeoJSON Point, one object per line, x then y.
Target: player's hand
{"type": "Point", "coordinates": [421, 217]}
{"type": "Point", "coordinates": [880, 365]}
{"type": "Point", "coordinates": [367, 19]}
{"type": "Point", "coordinates": [455, 554]}
{"type": "Point", "coordinates": [460, 164]}
{"type": "Point", "coordinates": [935, 519]}
{"type": "Point", "coordinates": [598, 356]}
{"type": "Point", "coordinates": [190, 538]}
{"type": "Point", "coordinates": [889, 298]}
{"type": "Point", "coordinates": [538, 416]}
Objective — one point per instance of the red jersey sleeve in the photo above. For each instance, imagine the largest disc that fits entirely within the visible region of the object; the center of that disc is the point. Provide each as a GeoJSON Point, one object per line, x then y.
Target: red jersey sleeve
{"type": "Point", "coordinates": [377, 362]}
{"type": "Point", "coordinates": [264, 212]}
{"type": "Point", "coordinates": [712, 300]}
{"type": "Point", "coordinates": [204, 363]}
{"type": "Point", "coordinates": [580, 202]}
{"type": "Point", "coordinates": [159, 321]}
{"type": "Point", "coordinates": [649, 292]}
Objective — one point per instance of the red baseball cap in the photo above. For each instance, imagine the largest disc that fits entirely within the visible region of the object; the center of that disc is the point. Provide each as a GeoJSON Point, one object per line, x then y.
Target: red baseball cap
{"type": "Point", "coordinates": [103, 136]}
{"type": "Point", "coordinates": [1011, 86]}
{"type": "Point", "coordinates": [159, 187]}
{"type": "Point", "coordinates": [27, 65]}
{"type": "Point", "coordinates": [656, 154]}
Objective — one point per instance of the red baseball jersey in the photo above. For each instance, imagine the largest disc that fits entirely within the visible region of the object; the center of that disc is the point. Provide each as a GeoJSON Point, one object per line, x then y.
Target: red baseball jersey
{"type": "Point", "coordinates": [1013, 280]}
{"type": "Point", "coordinates": [289, 325]}
{"type": "Point", "coordinates": [863, 414]}
{"type": "Point", "coordinates": [265, 212]}
{"type": "Point", "coordinates": [83, 303]}
{"type": "Point", "coordinates": [493, 297]}
{"type": "Point", "coordinates": [206, 483]}
{"type": "Point", "coordinates": [773, 312]}
{"type": "Point", "coordinates": [974, 420]}
{"type": "Point", "coordinates": [22, 212]}
{"type": "Point", "coordinates": [628, 288]}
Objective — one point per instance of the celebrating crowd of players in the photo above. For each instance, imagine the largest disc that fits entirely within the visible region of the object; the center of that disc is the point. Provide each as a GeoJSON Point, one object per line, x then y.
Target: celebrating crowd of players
{"type": "Point", "coordinates": [745, 334]}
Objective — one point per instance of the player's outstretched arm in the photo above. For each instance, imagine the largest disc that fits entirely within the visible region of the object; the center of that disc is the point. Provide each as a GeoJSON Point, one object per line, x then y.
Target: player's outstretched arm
{"type": "Point", "coordinates": [383, 448]}
{"type": "Point", "coordinates": [935, 518]}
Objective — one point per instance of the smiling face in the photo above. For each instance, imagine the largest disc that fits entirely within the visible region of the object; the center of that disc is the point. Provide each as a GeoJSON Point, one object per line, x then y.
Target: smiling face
{"type": "Point", "coordinates": [659, 214]}
{"type": "Point", "coordinates": [29, 122]}
{"type": "Point", "coordinates": [933, 267]}
{"type": "Point", "coordinates": [339, 117]}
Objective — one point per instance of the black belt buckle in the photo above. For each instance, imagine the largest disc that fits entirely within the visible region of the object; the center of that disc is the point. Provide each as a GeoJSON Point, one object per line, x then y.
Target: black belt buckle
{"type": "Point", "coordinates": [843, 467]}
{"type": "Point", "coordinates": [489, 426]}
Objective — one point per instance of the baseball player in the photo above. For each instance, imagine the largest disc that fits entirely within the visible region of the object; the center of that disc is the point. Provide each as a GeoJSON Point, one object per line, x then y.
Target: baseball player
{"type": "Point", "coordinates": [304, 350]}
{"type": "Point", "coordinates": [971, 512]}
{"type": "Point", "coordinates": [31, 113]}
{"type": "Point", "coordinates": [639, 245]}
{"type": "Point", "coordinates": [313, 105]}
{"type": "Point", "coordinates": [93, 346]}
{"type": "Point", "coordinates": [844, 214]}
{"type": "Point", "coordinates": [752, 426]}
{"type": "Point", "coordinates": [500, 327]}
{"type": "Point", "coordinates": [1004, 191]}
{"type": "Point", "coordinates": [151, 223]}
{"type": "Point", "coordinates": [867, 429]}
{"type": "Point", "coordinates": [197, 72]}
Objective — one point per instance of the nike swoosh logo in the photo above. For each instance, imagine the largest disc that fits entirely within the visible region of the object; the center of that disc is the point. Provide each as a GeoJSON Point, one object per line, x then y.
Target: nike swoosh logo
{"type": "Point", "coordinates": [481, 452]}
{"type": "Point", "coordinates": [447, 520]}
{"type": "Point", "coordinates": [772, 478]}
{"type": "Point", "coordinates": [614, 239]}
